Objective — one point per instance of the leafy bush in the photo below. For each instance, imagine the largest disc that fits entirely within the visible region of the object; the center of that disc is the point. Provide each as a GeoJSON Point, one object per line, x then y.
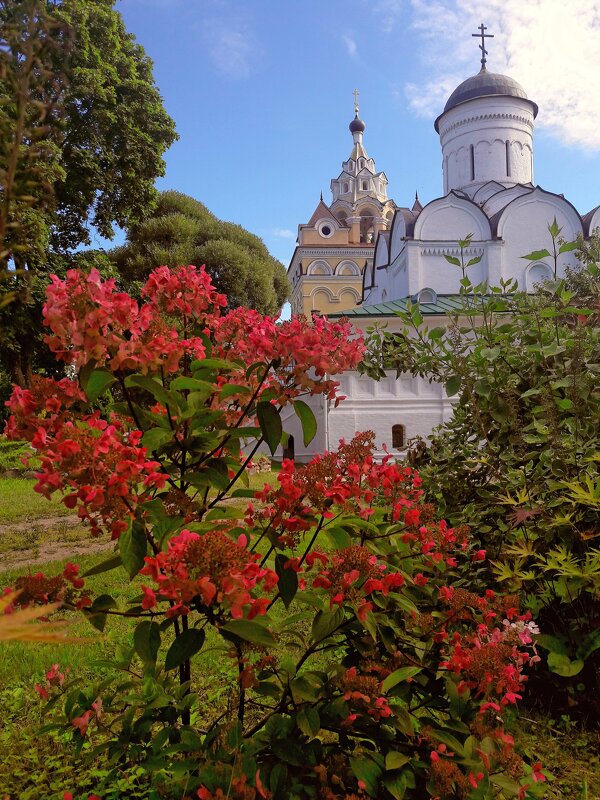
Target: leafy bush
{"type": "Point", "coordinates": [519, 458]}
{"type": "Point", "coordinates": [355, 664]}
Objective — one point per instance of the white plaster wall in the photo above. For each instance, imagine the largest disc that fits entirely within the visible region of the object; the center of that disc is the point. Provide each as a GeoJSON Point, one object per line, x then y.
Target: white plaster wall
{"type": "Point", "coordinates": [450, 218]}
{"type": "Point", "coordinates": [523, 228]}
{"type": "Point", "coordinates": [378, 405]}
{"type": "Point", "coordinates": [487, 123]}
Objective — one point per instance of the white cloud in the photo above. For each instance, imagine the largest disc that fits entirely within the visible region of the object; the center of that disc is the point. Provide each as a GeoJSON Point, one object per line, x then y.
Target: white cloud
{"type": "Point", "coordinates": [232, 48]}
{"type": "Point", "coordinates": [283, 233]}
{"type": "Point", "coordinates": [551, 47]}
{"type": "Point", "coordinates": [349, 43]}
{"type": "Point", "coordinates": [387, 12]}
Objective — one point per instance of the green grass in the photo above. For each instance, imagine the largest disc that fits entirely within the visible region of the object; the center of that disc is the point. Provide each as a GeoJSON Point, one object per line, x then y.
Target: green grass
{"type": "Point", "coordinates": [29, 522]}
{"type": "Point", "coordinates": [19, 503]}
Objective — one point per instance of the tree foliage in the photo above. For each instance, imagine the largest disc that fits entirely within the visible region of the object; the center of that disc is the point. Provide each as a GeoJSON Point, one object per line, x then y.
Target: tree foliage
{"type": "Point", "coordinates": [182, 230]}
{"type": "Point", "coordinates": [83, 135]}
{"type": "Point", "coordinates": [519, 458]}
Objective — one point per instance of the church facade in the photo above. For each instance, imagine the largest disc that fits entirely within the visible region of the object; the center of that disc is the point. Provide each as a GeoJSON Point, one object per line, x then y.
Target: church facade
{"type": "Point", "coordinates": [486, 137]}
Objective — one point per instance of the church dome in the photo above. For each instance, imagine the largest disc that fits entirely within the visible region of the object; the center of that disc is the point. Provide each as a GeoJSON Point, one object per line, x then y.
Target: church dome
{"type": "Point", "coordinates": [357, 125]}
{"type": "Point", "coordinates": [485, 84]}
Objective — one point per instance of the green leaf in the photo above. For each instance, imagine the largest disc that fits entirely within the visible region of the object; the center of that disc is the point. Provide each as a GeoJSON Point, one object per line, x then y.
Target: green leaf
{"type": "Point", "coordinates": [590, 644]}
{"type": "Point", "coordinates": [146, 641]}
{"type": "Point", "coordinates": [483, 387]}
{"type": "Point", "coordinates": [308, 721]}
{"type": "Point", "coordinates": [398, 782]}
{"type": "Point", "coordinates": [104, 566]}
{"type": "Point", "coordinates": [566, 247]}
{"type": "Point", "coordinates": [453, 385]}
{"type": "Point", "coordinates": [249, 630]}
{"type": "Point", "coordinates": [562, 665]}
{"type": "Point", "coordinates": [368, 772]}
{"type": "Point", "coordinates": [325, 622]}
{"type": "Point", "coordinates": [194, 384]}
{"type": "Point", "coordinates": [473, 261]}
{"type": "Point", "coordinates": [156, 389]}
{"type": "Point", "coordinates": [155, 438]}
{"type": "Point", "coordinates": [398, 676]}
{"type": "Point", "coordinates": [339, 537]}
{"type": "Point", "coordinates": [307, 418]}
{"type": "Point", "coordinates": [288, 580]}
{"type": "Point", "coordinates": [564, 403]}
{"type": "Point", "coordinates": [537, 255]}
{"type": "Point", "coordinates": [553, 228]}
{"type": "Point", "coordinates": [499, 408]}
{"type": "Point", "coordinates": [187, 644]}
{"type": "Point", "coordinates": [452, 260]}
{"type": "Point", "coordinates": [133, 548]}
{"type": "Point", "coordinates": [233, 388]}
{"type": "Point", "coordinates": [213, 363]}
{"type": "Point", "coordinates": [94, 612]}
{"type": "Point", "coordinates": [436, 333]}
{"type": "Point", "coordinates": [98, 382]}
{"type": "Point", "coordinates": [395, 760]}
{"type": "Point", "coordinates": [270, 424]}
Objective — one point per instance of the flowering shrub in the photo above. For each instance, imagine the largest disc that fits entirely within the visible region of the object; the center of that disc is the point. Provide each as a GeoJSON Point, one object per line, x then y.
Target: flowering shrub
{"type": "Point", "coordinates": [359, 668]}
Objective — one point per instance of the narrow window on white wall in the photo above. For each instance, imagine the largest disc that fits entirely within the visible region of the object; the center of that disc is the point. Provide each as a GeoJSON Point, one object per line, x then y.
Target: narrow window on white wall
{"type": "Point", "coordinates": [472, 151]}
{"type": "Point", "coordinates": [508, 159]}
{"type": "Point", "coordinates": [398, 436]}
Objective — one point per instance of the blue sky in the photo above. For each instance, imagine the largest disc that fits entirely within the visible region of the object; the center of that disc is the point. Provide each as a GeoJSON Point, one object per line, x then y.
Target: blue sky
{"type": "Point", "coordinates": [261, 93]}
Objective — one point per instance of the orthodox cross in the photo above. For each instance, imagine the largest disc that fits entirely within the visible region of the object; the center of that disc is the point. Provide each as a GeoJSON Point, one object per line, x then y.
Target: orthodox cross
{"type": "Point", "coordinates": [356, 93]}
{"type": "Point", "coordinates": [483, 36]}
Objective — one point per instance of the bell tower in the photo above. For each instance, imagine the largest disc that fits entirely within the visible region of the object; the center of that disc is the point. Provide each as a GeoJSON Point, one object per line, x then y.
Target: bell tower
{"type": "Point", "coordinates": [338, 242]}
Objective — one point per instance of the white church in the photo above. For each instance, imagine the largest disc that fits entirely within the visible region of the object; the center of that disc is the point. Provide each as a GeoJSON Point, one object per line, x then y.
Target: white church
{"type": "Point", "coordinates": [486, 136]}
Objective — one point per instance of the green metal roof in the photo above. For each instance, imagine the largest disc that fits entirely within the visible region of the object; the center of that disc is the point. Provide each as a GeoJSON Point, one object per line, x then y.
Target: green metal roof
{"type": "Point", "coordinates": [445, 303]}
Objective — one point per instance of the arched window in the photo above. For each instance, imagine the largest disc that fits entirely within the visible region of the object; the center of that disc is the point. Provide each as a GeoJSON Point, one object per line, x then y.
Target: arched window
{"type": "Point", "coordinates": [345, 188]}
{"type": "Point", "coordinates": [289, 451]}
{"type": "Point", "coordinates": [398, 437]}
{"type": "Point", "coordinates": [365, 185]}
{"type": "Point", "coordinates": [536, 274]}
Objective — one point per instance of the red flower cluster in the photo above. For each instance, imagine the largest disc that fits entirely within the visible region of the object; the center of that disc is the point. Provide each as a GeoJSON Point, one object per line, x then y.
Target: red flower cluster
{"type": "Point", "coordinates": [91, 321]}
{"type": "Point", "coordinates": [363, 695]}
{"type": "Point", "coordinates": [41, 589]}
{"type": "Point", "coordinates": [490, 660]}
{"type": "Point", "coordinates": [208, 571]}
{"type": "Point", "coordinates": [54, 678]}
{"type": "Point", "coordinates": [237, 789]}
{"type": "Point", "coordinates": [43, 407]}
{"type": "Point", "coordinates": [345, 480]}
{"type": "Point", "coordinates": [351, 574]}
{"type": "Point", "coordinates": [301, 353]}
{"type": "Point", "coordinates": [102, 462]}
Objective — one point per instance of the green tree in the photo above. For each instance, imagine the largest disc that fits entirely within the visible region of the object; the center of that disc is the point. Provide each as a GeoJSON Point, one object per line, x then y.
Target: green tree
{"type": "Point", "coordinates": [183, 231]}
{"type": "Point", "coordinates": [83, 134]}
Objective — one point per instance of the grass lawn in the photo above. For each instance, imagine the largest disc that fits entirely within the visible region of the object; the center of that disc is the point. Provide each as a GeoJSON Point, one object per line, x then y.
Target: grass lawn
{"type": "Point", "coordinates": [32, 526]}
{"type": "Point", "coordinates": [19, 503]}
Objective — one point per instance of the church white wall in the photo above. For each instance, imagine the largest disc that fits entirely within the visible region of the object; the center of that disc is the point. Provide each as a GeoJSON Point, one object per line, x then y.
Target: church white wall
{"type": "Point", "coordinates": [449, 218]}
{"type": "Point", "coordinates": [523, 228]}
{"type": "Point", "coordinates": [378, 405]}
{"type": "Point", "coordinates": [486, 125]}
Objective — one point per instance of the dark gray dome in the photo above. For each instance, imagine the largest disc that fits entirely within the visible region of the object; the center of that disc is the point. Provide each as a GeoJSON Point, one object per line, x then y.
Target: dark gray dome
{"type": "Point", "coordinates": [485, 84]}
{"type": "Point", "coordinates": [357, 125]}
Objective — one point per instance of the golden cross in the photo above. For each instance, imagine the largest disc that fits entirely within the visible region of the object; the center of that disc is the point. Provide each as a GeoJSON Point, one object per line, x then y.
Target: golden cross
{"type": "Point", "coordinates": [356, 93]}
